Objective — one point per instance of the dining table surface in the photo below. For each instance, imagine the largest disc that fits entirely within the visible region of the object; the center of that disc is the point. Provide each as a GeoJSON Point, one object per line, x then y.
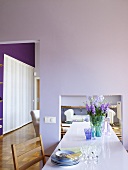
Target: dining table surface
{"type": "Point", "coordinates": [112, 155]}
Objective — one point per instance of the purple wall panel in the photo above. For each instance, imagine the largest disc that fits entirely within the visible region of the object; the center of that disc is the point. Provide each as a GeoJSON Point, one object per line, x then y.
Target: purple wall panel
{"type": "Point", "coordinates": [1, 116]}
{"type": "Point", "coordinates": [1, 91]}
{"type": "Point", "coordinates": [1, 130]}
{"type": "Point", "coordinates": [1, 57]}
{"type": "Point", "coordinates": [1, 107]}
{"type": "Point", "coordinates": [1, 74]}
{"type": "Point", "coordinates": [24, 52]}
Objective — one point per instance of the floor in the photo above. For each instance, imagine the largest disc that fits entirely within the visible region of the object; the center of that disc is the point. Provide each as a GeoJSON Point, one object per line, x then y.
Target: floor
{"type": "Point", "coordinates": [18, 136]}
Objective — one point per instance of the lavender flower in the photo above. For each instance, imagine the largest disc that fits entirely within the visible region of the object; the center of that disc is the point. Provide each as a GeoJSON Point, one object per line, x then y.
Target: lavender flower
{"type": "Point", "coordinates": [97, 106]}
{"type": "Point", "coordinates": [101, 98]}
{"type": "Point", "coordinates": [90, 98]}
{"type": "Point", "coordinates": [87, 108]}
{"type": "Point", "coordinates": [107, 107]}
{"type": "Point", "coordinates": [104, 107]}
{"type": "Point", "coordinates": [92, 108]}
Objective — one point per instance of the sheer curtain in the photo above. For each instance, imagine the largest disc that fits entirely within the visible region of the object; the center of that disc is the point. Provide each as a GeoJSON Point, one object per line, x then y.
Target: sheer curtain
{"type": "Point", "coordinates": [18, 93]}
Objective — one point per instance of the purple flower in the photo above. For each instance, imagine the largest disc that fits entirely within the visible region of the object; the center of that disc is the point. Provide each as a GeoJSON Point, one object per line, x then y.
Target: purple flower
{"type": "Point", "coordinates": [91, 99]}
{"type": "Point", "coordinates": [104, 107]}
{"type": "Point", "coordinates": [97, 106]}
{"type": "Point", "coordinates": [87, 108]}
{"type": "Point", "coordinates": [96, 103]}
{"type": "Point", "coordinates": [92, 108]}
{"type": "Point", "coordinates": [100, 98]}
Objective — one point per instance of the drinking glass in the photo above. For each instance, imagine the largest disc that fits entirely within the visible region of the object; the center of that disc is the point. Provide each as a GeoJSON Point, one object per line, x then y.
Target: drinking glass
{"type": "Point", "coordinates": [88, 133]}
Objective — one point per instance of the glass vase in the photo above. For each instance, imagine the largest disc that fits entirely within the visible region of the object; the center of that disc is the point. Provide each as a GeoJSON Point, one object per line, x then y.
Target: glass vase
{"type": "Point", "coordinates": [96, 125]}
{"type": "Point", "coordinates": [98, 131]}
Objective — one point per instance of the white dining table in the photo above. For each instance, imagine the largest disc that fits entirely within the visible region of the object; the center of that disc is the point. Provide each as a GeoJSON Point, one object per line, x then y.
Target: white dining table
{"type": "Point", "coordinates": [113, 155]}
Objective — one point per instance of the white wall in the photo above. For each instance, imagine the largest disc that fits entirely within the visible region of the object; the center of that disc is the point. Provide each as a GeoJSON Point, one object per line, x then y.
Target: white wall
{"type": "Point", "coordinates": [81, 100]}
{"type": "Point", "coordinates": [73, 100]}
{"type": "Point", "coordinates": [83, 50]}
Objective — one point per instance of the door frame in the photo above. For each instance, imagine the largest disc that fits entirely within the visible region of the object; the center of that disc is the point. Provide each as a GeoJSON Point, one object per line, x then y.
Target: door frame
{"type": "Point", "coordinates": [35, 92]}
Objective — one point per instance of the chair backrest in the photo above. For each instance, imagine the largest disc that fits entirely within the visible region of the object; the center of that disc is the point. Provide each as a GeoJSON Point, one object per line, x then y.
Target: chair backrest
{"type": "Point", "coordinates": [111, 115]}
{"type": "Point", "coordinates": [32, 151]}
{"type": "Point", "coordinates": [35, 114]}
{"type": "Point", "coordinates": [69, 113]}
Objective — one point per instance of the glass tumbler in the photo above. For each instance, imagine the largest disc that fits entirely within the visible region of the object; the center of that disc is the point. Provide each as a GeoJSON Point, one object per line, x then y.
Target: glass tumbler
{"type": "Point", "coordinates": [88, 133]}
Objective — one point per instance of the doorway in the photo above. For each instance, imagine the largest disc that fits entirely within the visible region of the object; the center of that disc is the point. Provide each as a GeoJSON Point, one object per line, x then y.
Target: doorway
{"type": "Point", "coordinates": [37, 94]}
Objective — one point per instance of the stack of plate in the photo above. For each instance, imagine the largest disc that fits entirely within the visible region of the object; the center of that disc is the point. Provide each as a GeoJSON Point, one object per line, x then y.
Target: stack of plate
{"type": "Point", "coordinates": [64, 158]}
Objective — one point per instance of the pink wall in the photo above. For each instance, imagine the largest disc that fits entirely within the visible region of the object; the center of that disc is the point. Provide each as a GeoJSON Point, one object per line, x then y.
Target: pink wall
{"type": "Point", "coordinates": [83, 50]}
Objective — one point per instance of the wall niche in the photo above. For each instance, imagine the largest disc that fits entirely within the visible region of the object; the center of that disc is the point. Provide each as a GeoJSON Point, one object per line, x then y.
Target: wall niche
{"type": "Point", "coordinates": [76, 102]}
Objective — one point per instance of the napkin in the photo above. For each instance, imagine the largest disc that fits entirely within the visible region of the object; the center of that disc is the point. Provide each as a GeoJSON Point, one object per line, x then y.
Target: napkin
{"type": "Point", "coordinates": [74, 149]}
{"type": "Point", "coordinates": [74, 156]}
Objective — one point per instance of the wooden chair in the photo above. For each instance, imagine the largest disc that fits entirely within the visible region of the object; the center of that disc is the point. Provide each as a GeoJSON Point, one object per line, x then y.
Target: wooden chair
{"type": "Point", "coordinates": [28, 153]}
{"type": "Point", "coordinates": [64, 128]}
